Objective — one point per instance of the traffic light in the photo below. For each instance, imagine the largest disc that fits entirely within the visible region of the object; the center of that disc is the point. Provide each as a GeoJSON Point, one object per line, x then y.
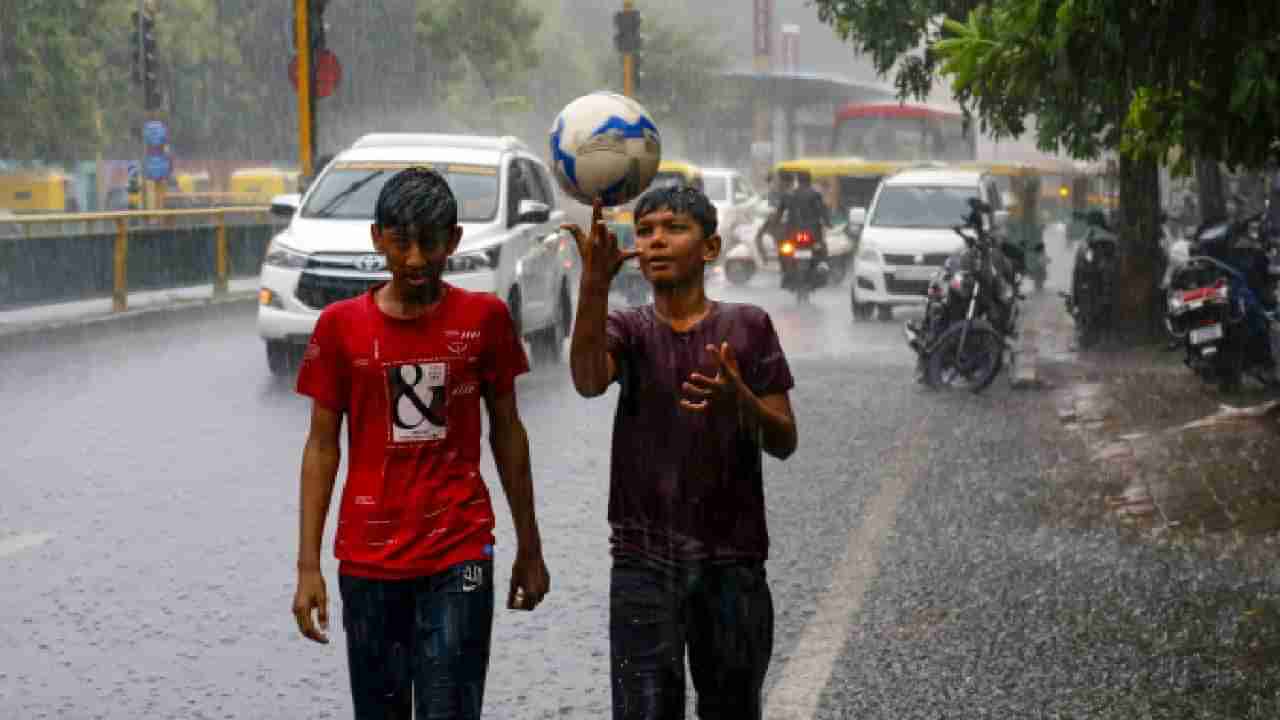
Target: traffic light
{"type": "Point", "coordinates": [142, 47]}
{"type": "Point", "coordinates": [135, 49]}
{"type": "Point", "coordinates": [627, 39]}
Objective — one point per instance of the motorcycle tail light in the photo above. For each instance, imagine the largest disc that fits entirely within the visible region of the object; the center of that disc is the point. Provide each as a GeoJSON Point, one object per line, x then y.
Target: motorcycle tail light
{"type": "Point", "coordinates": [1221, 291]}
{"type": "Point", "coordinates": [803, 238]}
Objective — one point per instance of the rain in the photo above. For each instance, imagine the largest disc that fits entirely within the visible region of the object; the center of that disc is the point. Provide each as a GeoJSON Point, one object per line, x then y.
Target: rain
{"type": "Point", "coordinates": [999, 282]}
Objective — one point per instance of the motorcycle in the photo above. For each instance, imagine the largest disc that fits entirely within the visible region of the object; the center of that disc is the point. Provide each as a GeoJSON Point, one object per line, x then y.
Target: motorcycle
{"type": "Point", "coordinates": [1091, 301]}
{"type": "Point", "coordinates": [971, 309]}
{"type": "Point", "coordinates": [1221, 304]}
{"type": "Point", "coordinates": [804, 265]}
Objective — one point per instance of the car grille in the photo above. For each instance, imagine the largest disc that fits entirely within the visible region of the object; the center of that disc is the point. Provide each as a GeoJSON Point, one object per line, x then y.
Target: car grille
{"type": "Point", "coordinates": [906, 287]}
{"type": "Point", "coordinates": [929, 259]}
{"type": "Point", "coordinates": [320, 291]}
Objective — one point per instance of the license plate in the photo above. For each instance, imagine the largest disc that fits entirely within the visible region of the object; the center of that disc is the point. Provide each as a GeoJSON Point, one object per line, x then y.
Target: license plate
{"type": "Point", "coordinates": [804, 254]}
{"type": "Point", "coordinates": [1209, 333]}
{"type": "Point", "coordinates": [915, 273]}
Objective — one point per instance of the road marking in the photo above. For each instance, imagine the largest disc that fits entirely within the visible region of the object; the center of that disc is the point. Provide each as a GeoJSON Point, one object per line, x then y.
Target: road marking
{"type": "Point", "coordinates": [808, 670]}
{"type": "Point", "coordinates": [17, 543]}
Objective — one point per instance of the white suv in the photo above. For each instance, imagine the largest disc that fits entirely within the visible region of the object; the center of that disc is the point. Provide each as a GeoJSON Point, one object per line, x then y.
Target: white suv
{"type": "Point", "coordinates": [907, 235]}
{"type": "Point", "coordinates": [511, 244]}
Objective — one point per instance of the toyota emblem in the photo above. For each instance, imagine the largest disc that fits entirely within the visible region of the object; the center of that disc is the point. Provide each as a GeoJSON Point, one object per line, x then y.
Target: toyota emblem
{"type": "Point", "coordinates": [370, 263]}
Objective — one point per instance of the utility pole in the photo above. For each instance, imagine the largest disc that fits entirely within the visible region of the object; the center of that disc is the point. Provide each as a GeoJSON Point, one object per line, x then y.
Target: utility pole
{"type": "Point", "coordinates": [306, 76]}
{"type": "Point", "coordinates": [627, 42]}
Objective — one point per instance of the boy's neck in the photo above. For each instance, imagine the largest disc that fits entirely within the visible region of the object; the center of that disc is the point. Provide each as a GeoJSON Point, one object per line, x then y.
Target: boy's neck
{"type": "Point", "coordinates": [392, 301]}
{"type": "Point", "coordinates": [682, 306]}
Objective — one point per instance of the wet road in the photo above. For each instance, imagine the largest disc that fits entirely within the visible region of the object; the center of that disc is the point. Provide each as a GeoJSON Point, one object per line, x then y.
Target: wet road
{"type": "Point", "coordinates": [148, 535]}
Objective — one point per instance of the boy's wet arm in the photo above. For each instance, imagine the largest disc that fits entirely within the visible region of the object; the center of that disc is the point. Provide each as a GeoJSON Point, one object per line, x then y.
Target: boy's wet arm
{"type": "Point", "coordinates": [590, 363]}
{"type": "Point", "coordinates": [510, 444]}
{"type": "Point", "coordinates": [772, 418]}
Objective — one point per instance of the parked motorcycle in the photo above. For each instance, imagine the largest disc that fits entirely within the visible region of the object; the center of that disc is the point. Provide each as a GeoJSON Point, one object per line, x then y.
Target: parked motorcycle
{"type": "Point", "coordinates": [1091, 301]}
{"type": "Point", "coordinates": [1221, 304]}
{"type": "Point", "coordinates": [971, 310]}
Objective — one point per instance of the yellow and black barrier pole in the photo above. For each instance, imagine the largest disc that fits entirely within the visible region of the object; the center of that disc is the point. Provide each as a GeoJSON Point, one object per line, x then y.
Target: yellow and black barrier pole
{"type": "Point", "coordinates": [306, 103]}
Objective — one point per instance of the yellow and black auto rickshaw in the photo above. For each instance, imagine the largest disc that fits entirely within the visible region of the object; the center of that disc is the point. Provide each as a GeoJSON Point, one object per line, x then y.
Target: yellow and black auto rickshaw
{"type": "Point", "coordinates": [37, 191]}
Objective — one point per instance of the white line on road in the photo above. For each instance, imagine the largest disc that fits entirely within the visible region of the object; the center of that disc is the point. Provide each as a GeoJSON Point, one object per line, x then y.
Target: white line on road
{"type": "Point", "coordinates": [17, 543]}
{"type": "Point", "coordinates": [808, 669]}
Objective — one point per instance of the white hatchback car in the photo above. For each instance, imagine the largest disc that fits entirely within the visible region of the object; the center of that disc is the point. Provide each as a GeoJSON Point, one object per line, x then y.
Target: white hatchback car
{"type": "Point", "coordinates": [733, 197]}
{"type": "Point", "coordinates": [512, 246]}
{"type": "Point", "coordinates": [907, 235]}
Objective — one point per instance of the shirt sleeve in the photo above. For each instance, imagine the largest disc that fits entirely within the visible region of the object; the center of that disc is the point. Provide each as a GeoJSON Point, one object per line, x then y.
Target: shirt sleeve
{"type": "Point", "coordinates": [617, 334]}
{"type": "Point", "coordinates": [769, 374]}
{"type": "Point", "coordinates": [325, 373]}
{"type": "Point", "coordinates": [505, 359]}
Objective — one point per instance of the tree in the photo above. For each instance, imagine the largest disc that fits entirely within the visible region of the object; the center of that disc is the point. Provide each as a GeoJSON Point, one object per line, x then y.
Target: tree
{"type": "Point", "coordinates": [1097, 76]}
{"type": "Point", "coordinates": [893, 32]}
{"type": "Point", "coordinates": [1139, 78]}
{"type": "Point", "coordinates": [49, 55]}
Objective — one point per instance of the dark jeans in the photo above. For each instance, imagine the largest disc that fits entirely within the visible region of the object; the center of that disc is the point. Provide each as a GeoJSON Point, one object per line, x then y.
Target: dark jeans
{"type": "Point", "coordinates": [723, 615]}
{"type": "Point", "coordinates": [426, 637]}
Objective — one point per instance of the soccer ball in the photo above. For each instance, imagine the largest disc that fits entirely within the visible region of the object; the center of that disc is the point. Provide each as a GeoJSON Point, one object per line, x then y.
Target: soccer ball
{"type": "Point", "coordinates": [604, 145]}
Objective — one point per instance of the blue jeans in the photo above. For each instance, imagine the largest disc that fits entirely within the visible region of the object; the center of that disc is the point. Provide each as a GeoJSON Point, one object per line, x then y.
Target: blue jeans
{"type": "Point", "coordinates": [721, 613]}
{"type": "Point", "coordinates": [426, 638]}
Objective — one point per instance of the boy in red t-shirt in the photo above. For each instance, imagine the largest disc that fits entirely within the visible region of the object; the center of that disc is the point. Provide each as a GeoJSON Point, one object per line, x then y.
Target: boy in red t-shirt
{"type": "Point", "coordinates": [704, 390]}
{"type": "Point", "coordinates": [408, 363]}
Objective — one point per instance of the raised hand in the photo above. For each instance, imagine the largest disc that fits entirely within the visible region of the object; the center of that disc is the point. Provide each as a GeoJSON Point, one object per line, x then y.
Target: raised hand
{"type": "Point", "coordinates": [601, 257]}
{"type": "Point", "coordinates": [726, 389]}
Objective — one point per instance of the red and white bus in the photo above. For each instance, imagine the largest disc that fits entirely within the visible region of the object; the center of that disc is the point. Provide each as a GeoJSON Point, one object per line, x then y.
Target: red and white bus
{"type": "Point", "coordinates": [901, 132]}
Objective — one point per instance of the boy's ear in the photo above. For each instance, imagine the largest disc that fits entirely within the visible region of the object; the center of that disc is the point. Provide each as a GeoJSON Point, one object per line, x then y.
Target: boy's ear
{"type": "Point", "coordinates": [375, 233]}
{"type": "Point", "coordinates": [711, 247]}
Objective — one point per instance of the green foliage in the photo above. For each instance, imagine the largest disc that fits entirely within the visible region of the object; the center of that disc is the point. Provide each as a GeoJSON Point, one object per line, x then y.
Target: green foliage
{"type": "Point", "coordinates": [896, 34]}
{"type": "Point", "coordinates": [48, 54]}
{"type": "Point", "coordinates": [496, 38]}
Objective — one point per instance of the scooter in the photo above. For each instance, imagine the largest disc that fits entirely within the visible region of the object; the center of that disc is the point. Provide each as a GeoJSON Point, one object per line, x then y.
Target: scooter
{"type": "Point", "coordinates": [1221, 305]}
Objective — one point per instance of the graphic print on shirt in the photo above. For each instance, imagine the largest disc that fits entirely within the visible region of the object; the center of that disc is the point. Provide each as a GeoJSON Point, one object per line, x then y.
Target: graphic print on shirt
{"type": "Point", "coordinates": [418, 402]}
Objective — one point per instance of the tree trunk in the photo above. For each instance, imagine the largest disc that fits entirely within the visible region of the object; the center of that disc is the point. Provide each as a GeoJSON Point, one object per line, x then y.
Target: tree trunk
{"type": "Point", "coordinates": [1213, 197]}
{"type": "Point", "coordinates": [1141, 261]}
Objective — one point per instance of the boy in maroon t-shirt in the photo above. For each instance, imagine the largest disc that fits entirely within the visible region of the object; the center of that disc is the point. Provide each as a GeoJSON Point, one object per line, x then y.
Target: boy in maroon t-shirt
{"type": "Point", "coordinates": [408, 363]}
{"type": "Point", "coordinates": [704, 390]}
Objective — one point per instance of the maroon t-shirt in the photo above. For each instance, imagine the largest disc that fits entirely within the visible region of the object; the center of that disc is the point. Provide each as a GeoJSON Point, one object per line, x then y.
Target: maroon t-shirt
{"type": "Point", "coordinates": [686, 486]}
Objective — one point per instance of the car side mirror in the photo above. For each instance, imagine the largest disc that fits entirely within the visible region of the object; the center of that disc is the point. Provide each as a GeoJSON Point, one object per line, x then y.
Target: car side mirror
{"type": "Point", "coordinates": [532, 211]}
{"type": "Point", "coordinates": [857, 217]}
{"type": "Point", "coordinates": [284, 206]}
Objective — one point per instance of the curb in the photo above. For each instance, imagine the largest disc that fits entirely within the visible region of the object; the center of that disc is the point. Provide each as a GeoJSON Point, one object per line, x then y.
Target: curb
{"type": "Point", "coordinates": [128, 319]}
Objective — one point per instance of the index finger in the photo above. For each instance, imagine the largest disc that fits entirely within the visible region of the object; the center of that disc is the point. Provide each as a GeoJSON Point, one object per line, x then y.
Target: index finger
{"type": "Point", "coordinates": [597, 211]}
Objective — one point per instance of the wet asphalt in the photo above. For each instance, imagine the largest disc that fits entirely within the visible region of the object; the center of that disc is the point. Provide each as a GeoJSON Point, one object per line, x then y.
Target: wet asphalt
{"type": "Point", "coordinates": [149, 530]}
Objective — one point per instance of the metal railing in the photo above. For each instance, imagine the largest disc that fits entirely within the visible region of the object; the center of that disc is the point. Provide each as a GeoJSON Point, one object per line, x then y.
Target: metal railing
{"type": "Point", "coordinates": [121, 219]}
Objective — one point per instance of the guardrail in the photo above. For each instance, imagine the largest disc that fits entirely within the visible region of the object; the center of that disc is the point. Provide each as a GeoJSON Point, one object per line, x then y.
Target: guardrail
{"type": "Point", "coordinates": [124, 228]}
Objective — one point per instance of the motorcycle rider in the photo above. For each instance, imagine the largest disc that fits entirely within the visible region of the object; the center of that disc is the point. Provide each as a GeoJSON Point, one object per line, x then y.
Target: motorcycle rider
{"type": "Point", "coordinates": [802, 209]}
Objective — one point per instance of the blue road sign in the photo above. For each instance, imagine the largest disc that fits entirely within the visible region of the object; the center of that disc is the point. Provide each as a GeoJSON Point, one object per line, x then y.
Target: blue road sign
{"type": "Point", "coordinates": [155, 133]}
{"type": "Point", "coordinates": [158, 167]}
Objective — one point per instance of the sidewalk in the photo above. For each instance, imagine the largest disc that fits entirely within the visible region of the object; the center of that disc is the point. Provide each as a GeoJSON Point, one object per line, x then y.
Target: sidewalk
{"type": "Point", "coordinates": [1157, 450]}
{"type": "Point", "coordinates": [43, 318]}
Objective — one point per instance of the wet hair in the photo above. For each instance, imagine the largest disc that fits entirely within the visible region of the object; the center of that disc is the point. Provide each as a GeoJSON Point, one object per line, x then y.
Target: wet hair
{"type": "Point", "coordinates": [416, 196]}
{"type": "Point", "coordinates": [680, 199]}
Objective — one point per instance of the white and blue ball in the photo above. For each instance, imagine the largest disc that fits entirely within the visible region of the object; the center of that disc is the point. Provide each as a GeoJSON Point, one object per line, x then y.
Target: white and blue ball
{"type": "Point", "coordinates": [605, 145]}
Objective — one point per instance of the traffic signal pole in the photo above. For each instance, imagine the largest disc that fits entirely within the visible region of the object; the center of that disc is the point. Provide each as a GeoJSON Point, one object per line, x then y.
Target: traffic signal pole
{"type": "Point", "coordinates": [628, 60]}
{"type": "Point", "coordinates": [306, 103]}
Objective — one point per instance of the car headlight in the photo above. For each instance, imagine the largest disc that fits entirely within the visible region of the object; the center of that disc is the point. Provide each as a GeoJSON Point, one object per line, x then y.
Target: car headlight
{"type": "Point", "coordinates": [475, 261]}
{"type": "Point", "coordinates": [283, 256]}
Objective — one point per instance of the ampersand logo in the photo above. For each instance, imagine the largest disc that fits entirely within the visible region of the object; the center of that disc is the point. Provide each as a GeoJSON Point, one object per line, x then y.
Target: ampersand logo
{"type": "Point", "coordinates": [418, 402]}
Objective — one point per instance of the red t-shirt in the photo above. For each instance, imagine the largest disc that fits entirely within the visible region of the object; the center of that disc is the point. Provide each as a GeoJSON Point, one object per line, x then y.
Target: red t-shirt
{"type": "Point", "coordinates": [414, 502]}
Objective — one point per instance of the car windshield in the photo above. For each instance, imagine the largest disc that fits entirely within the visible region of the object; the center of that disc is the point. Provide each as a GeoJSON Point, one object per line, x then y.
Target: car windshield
{"type": "Point", "coordinates": [921, 206]}
{"type": "Point", "coordinates": [350, 190]}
